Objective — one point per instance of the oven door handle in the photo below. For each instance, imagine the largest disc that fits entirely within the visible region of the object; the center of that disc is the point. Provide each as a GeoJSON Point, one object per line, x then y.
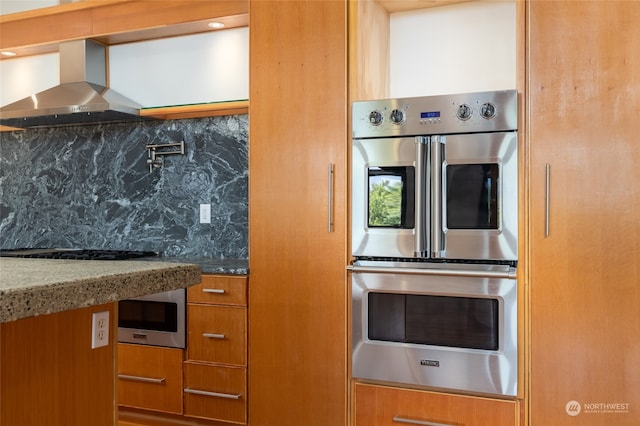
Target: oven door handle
{"type": "Point", "coordinates": [436, 150]}
{"type": "Point", "coordinates": [510, 273]}
{"type": "Point", "coordinates": [421, 197]}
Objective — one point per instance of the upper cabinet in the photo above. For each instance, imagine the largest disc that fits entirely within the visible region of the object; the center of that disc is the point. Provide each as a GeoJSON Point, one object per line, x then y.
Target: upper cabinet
{"type": "Point", "coordinates": [114, 21]}
{"type": "Point", "coordinates": [160, 54]}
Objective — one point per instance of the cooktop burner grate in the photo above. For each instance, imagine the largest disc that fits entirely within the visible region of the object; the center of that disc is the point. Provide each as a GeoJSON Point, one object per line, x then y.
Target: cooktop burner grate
{"type": "Point", "coordinates": [82, 254]}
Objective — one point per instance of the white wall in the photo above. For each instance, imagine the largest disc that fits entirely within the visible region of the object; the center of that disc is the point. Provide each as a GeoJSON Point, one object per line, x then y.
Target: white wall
{"type": "Point", "coordinates": [13, 6]}
{"type": "Point", "coordinates": [466, 47]}
{"type": "Point", "coordinates": [22, 77]}
{"type": "Point", "coordinates": [208, 67]}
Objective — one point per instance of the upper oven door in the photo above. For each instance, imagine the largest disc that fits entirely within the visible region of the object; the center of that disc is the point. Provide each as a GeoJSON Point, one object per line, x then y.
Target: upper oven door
{"type": "Point", "coordinates": [387, 197]}
{"type": "Point", "coordinates": [474, 190]}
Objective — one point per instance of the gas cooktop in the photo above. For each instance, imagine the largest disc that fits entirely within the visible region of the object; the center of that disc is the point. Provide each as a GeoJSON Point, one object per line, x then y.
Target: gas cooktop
{"type": "Point", "coordinates": [76, 254]}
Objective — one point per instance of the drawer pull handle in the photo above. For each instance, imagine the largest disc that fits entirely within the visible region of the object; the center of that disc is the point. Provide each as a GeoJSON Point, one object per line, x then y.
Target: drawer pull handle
{"type": "Point", "coordinates": [141, 379]}
{"type": "Point", "coordinates": [399, 419]}
{"type": "Point", "coordinates": [216, 394]}
{"type": "Point", "coordinates": [213, 290]}
{"type": "Point", "coordinates": [213, 335]}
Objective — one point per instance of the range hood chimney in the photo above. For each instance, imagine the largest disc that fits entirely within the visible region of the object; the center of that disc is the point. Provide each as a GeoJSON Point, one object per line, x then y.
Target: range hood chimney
{"type": "Point", "coordinates": [81, 98]}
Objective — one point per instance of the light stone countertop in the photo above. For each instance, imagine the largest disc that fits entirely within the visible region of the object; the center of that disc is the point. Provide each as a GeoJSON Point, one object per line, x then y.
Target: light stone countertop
{"type": "Point", "coordinates": [30, 287]}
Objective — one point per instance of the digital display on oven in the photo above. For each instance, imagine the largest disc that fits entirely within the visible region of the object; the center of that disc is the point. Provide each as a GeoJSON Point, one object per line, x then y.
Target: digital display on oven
{"type": "Point", "coordinates": [430, 114]}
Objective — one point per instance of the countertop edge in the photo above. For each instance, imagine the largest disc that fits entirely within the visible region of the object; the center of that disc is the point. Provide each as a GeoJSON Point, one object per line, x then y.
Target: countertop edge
{"type": "Point", "coordinates": [67, 294]}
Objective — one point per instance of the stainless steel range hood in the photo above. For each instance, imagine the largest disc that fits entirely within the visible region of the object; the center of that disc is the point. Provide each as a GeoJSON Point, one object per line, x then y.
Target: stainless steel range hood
{"type": "Point", "coordinates": [81, 98]}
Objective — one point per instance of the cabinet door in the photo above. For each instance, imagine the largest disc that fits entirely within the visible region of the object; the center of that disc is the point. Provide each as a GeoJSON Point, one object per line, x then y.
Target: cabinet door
{"type": "Point", "coordinates": [584, 122]}
{"type": "Point", "coordinates": [385, 406]}
{"type": "Point", "coordinates": [215, 392]}
{"type": "Point", "coordinates": [150, 377]}
{"type": "Point", "coordinates": [219, 290]}
{"type": "Point", "coordinates": [217, 334]}
{"type": "Point", "coordinates": [298, 297]}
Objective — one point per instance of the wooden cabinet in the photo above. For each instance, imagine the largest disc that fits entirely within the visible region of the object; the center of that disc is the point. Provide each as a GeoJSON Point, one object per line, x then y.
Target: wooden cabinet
{"type": "Point", "coordinates": [217, 334]}
{"type": "Point", "coordinates": [50, 375]}
{"type": "Point", "coordinates": [150, 378]}
{"type": "Point", "coordinates": [298, 169]}
{"type": "Point", "coordinates": [583, 110]}
{"type": "Point", "coordinates": [298, 238]}
{"type": "Point", "coordinates": [215, 382]}
{"type": "Point", "coordinates": [387, 406]}
{"type": "Point", "coordinates": [216, 392]}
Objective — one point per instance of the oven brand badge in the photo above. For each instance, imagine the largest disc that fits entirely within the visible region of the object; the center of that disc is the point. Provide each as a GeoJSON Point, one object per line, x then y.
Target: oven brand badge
{"type": "Point", "coordinates": [430, 363]}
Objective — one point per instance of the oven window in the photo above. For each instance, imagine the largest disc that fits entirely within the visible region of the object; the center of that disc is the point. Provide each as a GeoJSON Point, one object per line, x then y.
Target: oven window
{"type": "Point", "coordinates": [472, 196]}
{"type": "Point", "coordinates": [391, 197]}
{"type": "Point", "coordinates": [148, 315]}
{"type": "Point", "coordinates": [458, 322]}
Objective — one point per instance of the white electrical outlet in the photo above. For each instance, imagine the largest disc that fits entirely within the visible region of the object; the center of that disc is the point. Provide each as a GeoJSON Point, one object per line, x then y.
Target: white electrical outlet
{"type": "Point", "coordinates": [205, 213]}
{"type": "Point", "coordinates": [100, 329]}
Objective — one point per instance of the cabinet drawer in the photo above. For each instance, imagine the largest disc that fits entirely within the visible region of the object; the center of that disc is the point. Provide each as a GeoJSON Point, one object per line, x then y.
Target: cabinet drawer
{"type": "Point", "coordinates": [215, 392]}
{"type": "Point", "coordinates": [380, 405]}
{"type": "Point", "coordinates": [150, 377]}
{"type": "Point", "coordinates": [217, 334]}
{"type": "Point", "coordinates": [219, 290]}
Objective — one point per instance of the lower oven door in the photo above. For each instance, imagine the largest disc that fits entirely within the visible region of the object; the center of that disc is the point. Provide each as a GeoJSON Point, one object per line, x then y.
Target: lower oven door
{"type": "Point", "coordinates": [435, 327]}
{"type": "Point", "coordinates": [157, 319]}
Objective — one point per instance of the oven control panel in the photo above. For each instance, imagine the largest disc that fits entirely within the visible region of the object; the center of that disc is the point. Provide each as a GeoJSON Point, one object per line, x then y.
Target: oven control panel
{"type": "Point", "coordinates": [444, 114]}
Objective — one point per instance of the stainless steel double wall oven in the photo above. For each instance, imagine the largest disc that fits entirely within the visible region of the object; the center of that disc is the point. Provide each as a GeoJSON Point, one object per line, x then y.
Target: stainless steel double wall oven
{"type": "Point", "coordinates": [435, 241]}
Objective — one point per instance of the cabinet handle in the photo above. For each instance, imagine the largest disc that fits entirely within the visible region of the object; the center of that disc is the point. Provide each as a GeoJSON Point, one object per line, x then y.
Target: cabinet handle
{"type": "Point", "coordinates": [216, 394]}
{"type": "Point", "coordinates": [213, 290]}
{"type": "Point", "coordinates": [213, 335]}
{"type": "Point", "coordinates": [547, 196]}
{"type": "Point", "coordinates": [330, 206]}
{"type": "Point", "coordinates": [399, 419]}
{"type": "Point", "coordinates": [141, 379]}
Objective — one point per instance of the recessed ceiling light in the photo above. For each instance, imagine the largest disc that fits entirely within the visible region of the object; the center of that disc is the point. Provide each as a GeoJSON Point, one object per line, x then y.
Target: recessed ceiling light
{"type": "Point", "coordinates": [7, 53]}
{"type": "Point", "coordinates": [216, 25]}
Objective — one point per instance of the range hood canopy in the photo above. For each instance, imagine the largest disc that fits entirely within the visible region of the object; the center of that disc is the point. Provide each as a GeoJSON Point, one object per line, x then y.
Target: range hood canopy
{"type": "Point", "coordinates": [81, 97]}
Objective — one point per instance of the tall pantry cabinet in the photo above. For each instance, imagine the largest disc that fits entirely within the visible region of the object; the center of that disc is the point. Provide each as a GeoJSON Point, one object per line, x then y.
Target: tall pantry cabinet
{"type": "Point", "coordinates": [583, 124]}
{"type": "Point", "coordinates": [297, 217]}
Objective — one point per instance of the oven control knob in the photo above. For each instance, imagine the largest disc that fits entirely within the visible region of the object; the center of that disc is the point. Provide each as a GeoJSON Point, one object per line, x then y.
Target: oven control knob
{"type": "Point", "coordinates": [397, 116]}
{"type": "Point", "coordinates": [488, 110]}
{"type": "Point", "coordinates": [375, 118]}
{"type": "Point", "coordinates": [464, 112]}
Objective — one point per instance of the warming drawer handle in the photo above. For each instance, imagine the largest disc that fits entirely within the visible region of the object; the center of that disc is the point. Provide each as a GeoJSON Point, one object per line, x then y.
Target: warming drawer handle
{"type": "Point", "coordinates": [141, 379]}
{"type": "Point", "coordinates": [213, 335]}
{"type": "Point", "coordinates": [510, 274]}
{"type": "Point", "coordinates": [213, 290]}
{"type": "Point", "coordinates": [399, 419]}
{"type": "Point", "coordinates": [216, 394]}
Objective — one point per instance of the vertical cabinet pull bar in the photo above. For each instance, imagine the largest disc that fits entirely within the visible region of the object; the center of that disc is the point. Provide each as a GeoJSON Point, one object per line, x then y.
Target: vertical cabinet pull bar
{"type": "Point", "coordinates": [398, 419]}
{"type": "Point", "coordinates": [330, 206]}
{"type": "Point", "coordinates": [547, 192]}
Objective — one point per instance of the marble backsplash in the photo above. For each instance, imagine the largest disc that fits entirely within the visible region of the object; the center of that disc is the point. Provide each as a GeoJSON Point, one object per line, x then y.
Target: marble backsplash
{"type": "Point", "coordinates": [90, 187]}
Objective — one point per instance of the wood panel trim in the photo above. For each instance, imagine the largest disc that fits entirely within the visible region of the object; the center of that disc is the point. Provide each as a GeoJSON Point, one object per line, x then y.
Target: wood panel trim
{"type": "Point", "coordinates": [100, 18]}
{"type": "Point", "coordinates": [197, 110]}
